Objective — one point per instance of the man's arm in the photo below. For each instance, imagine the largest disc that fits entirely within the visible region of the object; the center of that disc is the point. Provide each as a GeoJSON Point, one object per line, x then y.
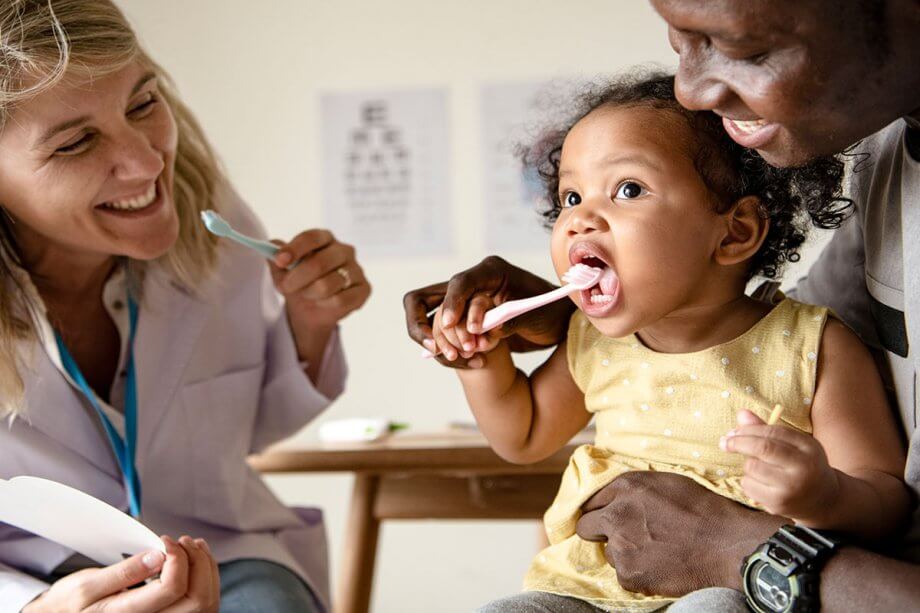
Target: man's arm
{"type": "Point", "coordinates": [668, 535]}
{"type": "Point", "coordinates": [858, 580]}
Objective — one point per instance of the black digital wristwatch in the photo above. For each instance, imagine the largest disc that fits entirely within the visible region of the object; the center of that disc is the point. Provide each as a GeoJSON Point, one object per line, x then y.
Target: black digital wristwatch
{"type": "Point", "coordinates": [782, 575]}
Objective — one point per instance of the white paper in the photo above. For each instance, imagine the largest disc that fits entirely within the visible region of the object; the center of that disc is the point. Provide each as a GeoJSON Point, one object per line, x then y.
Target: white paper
{"type": "Point", "coordinates": [385, 171]}
{"type": "Point", "coordinates": [74, 519]}
{"type": "Point", "coordinates": [512, 115]}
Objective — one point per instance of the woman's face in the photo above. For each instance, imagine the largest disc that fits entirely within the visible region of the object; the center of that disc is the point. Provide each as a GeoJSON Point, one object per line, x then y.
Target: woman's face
{"type": "Point", "coordinates": [87, 168]}
{"type": "Point", "coordinates": [635, 205]}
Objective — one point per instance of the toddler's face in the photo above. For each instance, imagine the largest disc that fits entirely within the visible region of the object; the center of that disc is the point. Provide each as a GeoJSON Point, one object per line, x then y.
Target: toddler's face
{"type": "Point", "coordinates": [635, 205]}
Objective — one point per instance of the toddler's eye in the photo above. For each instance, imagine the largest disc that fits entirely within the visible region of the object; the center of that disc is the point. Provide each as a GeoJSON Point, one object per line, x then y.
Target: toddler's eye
{"type": "Point", "coordinates": [570, 199]}
{"type": "Point", "coordinates": [630, 190]}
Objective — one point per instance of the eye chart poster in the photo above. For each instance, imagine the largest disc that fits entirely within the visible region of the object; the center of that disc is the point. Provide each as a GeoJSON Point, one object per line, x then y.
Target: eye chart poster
{"type": "Point", "coordinates": [512, 114]}
{"type": "Point", "coordinates": [385, 171]}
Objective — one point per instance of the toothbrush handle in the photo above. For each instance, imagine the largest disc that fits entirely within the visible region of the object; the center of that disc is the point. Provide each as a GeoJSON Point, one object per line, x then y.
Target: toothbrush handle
{"type": "Point", "coordinates": [511, 309]}
{"type": "Point", "coordinates": [264, 247]}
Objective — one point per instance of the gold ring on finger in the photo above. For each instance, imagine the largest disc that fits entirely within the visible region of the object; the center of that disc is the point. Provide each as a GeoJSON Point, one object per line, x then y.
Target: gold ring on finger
{"type": "Point", "coordinates": [346, 277]}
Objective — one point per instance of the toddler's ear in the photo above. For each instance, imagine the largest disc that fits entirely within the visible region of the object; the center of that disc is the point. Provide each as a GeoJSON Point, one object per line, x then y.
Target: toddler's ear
{"type": "Point", "coordinates": [745, 231]}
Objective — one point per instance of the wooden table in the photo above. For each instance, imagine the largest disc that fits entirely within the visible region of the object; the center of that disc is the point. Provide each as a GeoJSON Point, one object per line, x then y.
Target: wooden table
{"type": "Point", "coordinates": [448, 475]}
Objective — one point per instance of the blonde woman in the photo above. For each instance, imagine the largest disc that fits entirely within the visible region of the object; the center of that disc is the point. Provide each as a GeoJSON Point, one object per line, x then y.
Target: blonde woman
{"type": "Point", "coordinates": [140, 361]}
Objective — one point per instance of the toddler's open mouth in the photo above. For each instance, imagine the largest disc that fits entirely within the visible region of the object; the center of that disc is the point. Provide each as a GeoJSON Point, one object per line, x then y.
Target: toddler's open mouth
{"type": "Point", "coordinates": [603, 297]}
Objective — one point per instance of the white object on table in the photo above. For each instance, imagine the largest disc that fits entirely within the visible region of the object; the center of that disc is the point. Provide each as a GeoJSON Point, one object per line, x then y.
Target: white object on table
{"type": "Point", "coordinates": [357, 429]}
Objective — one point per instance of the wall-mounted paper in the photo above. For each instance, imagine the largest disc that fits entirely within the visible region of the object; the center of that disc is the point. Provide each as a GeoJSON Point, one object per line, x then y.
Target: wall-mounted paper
{"type": "Point", "coordinates": [511, 115]}
{"type": "Point", "coordinates": [385, 171]}
{"type": "Point", "coordinates": [76, 520]}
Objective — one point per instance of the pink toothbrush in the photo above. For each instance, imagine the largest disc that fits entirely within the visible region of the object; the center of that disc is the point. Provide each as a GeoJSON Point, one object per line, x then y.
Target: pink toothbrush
{"type": "Point", "coordinates": [578, 277]}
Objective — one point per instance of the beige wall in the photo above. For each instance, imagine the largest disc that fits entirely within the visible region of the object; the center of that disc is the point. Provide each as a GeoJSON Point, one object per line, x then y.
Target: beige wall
{"type": "Point", "coordinates": [252, 72]}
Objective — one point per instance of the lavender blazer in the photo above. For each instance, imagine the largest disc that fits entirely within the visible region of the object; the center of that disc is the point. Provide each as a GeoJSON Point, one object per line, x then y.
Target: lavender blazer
{"type": "Point", "coordinates": [218, 378]}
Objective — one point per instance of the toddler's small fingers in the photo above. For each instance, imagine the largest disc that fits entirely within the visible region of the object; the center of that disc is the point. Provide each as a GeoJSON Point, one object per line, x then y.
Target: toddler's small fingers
{"type": "Point", "coordinates": [765, 473]}
{"type": "Point", "coordinates": [448, 351]}
{"type": "Point", "coordinates": [444, 346]}
{"type": "Point", "coordinates": [781, 434]}
{"type": "Point", "coordinates": [453, 337]}
{"type": "Point", "coordinates": [479, 304]}
{"type": "Point", "coordinates": [747, 418]}
{"type": "Point", "coordinates": [769, 450]}
{"type": "Point", "coordinates": [763, 493]}
{"type": "Point", "coordinates": [465, 340]}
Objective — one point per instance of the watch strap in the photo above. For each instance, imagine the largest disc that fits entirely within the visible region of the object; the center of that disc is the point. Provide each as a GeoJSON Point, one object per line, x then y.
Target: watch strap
{"type": "Point", "coordinates": [797, 548]}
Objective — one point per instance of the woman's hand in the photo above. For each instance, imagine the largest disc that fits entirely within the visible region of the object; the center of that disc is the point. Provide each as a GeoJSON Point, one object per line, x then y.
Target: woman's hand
{"type": "Point", "coordinates": [786, 471]}
{"type": "Point", "coordinates": [326, 285]}
{"type": "Point", "coordinates": [468, 295]}
{"type": "Point", "coordinates": [188, 582]}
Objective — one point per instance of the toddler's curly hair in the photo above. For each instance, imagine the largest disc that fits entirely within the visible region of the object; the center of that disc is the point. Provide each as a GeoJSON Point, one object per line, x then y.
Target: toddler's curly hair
{"type": "Point", "coordinates": [790, 198]}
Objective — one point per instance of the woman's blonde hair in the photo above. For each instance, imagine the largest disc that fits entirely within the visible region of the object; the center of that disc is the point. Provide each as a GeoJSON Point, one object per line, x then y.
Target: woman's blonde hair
{"type": "Point", "coordinates": [43, 42]}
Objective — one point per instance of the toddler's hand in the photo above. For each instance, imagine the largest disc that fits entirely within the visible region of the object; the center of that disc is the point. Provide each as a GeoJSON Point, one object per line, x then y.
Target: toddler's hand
{"type": "Point", "coordinates": [786, 471]}
{"type": "Point", "coordinates": [456, 341]}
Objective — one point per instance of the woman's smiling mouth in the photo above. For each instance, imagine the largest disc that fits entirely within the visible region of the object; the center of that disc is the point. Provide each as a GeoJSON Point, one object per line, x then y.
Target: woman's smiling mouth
{"type": "Point", "coordinates": [140, 205]}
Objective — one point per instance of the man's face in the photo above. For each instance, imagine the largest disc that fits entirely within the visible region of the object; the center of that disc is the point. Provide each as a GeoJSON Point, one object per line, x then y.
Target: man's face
{"type": "Point", "coordinates": [795, 79]}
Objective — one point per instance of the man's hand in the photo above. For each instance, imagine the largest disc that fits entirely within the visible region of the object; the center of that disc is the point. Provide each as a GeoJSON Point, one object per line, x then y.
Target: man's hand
{"type": "Point", "coordinates": [667, 535]}
{"type": "Point", "coordinates": [468, 295]}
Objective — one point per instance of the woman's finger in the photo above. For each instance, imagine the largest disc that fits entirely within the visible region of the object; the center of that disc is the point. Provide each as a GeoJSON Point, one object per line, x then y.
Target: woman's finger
{"type": "Point", "coordinates": [95, 585]}
{"type": "Point", "coordinates": [346, 301]}
{"type": "Point", "coordinates": [315, 266]}
{"type": "Point", "coordinates": [215, 570]}
{"type": "Point", "coordinates": [302, 245]}
{"type": "Point", "coordinates": [338, 280]}
{"type": "Point", "coordinates": [200, 595]}
{"type": "Point", "coordinates": [174, 578]}
{"type": "Point", "coordinates": [156, 595]}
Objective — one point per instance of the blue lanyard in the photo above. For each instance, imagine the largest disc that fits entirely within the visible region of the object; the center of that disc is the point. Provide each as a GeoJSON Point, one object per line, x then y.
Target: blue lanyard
{"type": "Point", "coordinates": [124, 449]}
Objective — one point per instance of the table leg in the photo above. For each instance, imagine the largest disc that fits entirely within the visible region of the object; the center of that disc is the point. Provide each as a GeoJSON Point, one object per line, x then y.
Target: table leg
{"type": "Point", "coordinates": [357, 572]}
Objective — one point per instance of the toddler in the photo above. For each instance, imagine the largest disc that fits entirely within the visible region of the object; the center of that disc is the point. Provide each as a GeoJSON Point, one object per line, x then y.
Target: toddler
{"type": "Point", "coordinates": [667, 349]}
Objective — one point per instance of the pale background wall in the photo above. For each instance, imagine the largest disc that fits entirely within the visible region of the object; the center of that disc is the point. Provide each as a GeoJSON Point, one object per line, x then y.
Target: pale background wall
{"type": "Point", "coordinates": [252, 72]}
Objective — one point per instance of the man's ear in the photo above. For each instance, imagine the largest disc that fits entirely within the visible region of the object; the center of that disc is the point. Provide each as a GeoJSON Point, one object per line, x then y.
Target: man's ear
{"type": "Point", "coordinates": [745, 231]}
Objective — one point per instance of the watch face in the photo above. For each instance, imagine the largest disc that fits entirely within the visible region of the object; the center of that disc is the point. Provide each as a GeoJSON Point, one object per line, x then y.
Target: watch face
{"type": "Point", "coordinates": [771, 587]}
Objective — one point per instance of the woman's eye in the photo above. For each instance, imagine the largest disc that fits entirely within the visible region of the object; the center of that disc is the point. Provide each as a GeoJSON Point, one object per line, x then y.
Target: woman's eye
{"type": "Point", "coordinates": [629, 190]}
{"type": "Point", "coordinates": [75, 147]}
{"type": "Point", "coordinates": [141, 109]}
{"type": "Point", "coordinates": [570, 199]}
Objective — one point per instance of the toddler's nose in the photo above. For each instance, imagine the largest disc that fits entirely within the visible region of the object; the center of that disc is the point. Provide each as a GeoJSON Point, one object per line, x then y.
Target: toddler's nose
{"type": "Point", "coordinates": [584, 220]}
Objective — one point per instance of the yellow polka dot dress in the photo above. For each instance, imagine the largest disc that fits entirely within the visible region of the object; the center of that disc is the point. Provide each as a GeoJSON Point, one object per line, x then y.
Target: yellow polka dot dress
{"type": "Point", "coordinates": [666, 412]}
